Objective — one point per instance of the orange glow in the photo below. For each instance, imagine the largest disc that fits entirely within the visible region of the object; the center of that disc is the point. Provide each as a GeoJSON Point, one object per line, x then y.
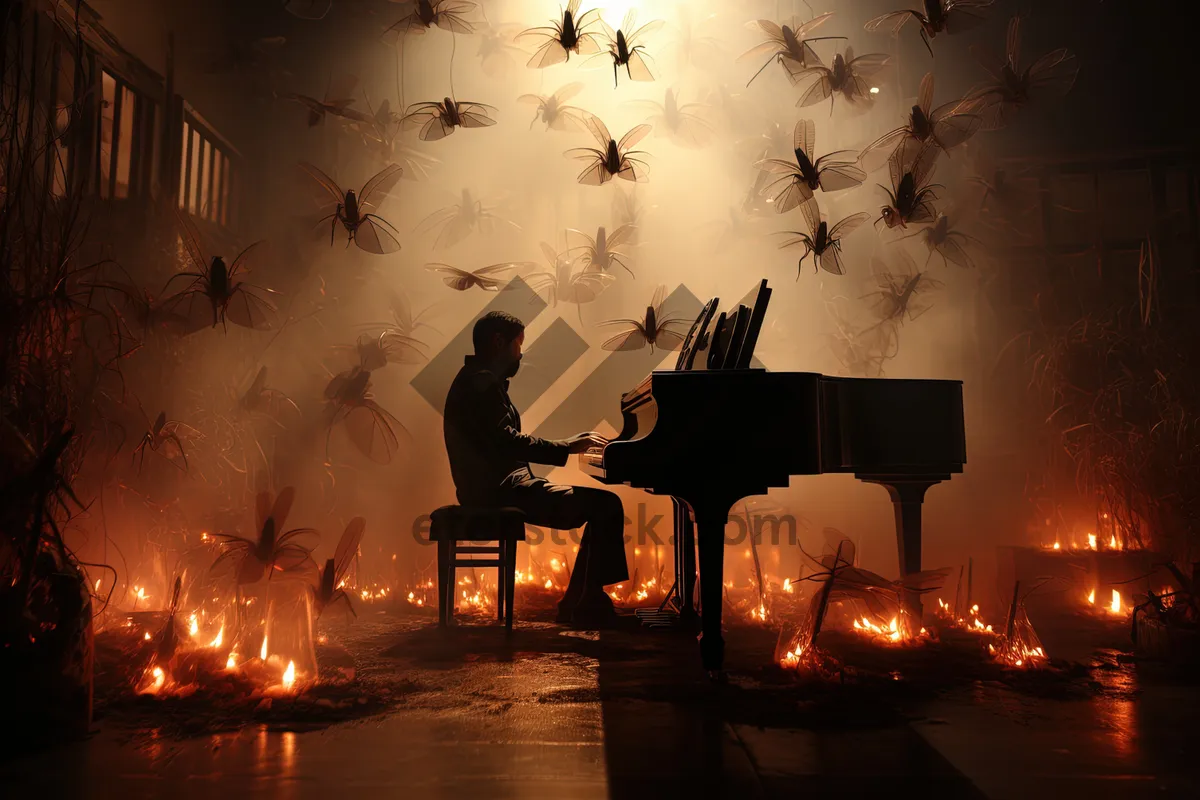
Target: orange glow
{"type": "Point", "coordinates": [1115, 605]}
{"type": "Point", "coordinates": [220, 638]}
{"type": "Point", "coordinates": [1092, 597]}
{"type": "Point", "coordinates": [231, 662]}
{"type": "Point", "coordinates": [146, 636]}
{"type": "Point", "coordinates": [1091, 541]}
{"type": "Point", "coordinates": [787, 585]}
{"type": "Point", "coordinates": [1057, 546]}
{"type": "Point", "coordinates": [193, 626]}
{"type": "Point", "coordinates": [289, 675]}
{"type": "Point", "coordinates": [262, 653]}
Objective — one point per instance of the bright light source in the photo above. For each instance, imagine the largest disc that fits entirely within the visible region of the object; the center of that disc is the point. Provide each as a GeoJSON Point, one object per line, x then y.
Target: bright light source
{"type": "Point", "coordinates": [874, 90]}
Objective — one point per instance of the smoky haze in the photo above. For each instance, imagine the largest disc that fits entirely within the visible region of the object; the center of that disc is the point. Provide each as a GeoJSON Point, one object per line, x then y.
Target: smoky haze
{"type": "Point", "coordinates": [698, 229]}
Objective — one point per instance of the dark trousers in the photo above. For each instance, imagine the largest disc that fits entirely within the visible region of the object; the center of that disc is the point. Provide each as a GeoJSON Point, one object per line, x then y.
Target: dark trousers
{"type": "Point", "coordinates": [601, 559]}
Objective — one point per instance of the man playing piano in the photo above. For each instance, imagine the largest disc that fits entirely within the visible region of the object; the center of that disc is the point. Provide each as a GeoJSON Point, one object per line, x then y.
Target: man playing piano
{"type": "Point", "coordinates": [490, 457]}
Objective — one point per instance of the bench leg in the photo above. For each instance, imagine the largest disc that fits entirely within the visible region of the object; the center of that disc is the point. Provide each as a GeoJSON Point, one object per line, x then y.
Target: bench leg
{"type": "Point", "coordinates": [451, 580]}
{"type": "Point", "coordinates": [500, 581]}
{"type": "Point", "coordinates": [510, 579]}
{"type": "Point", "coordinates": [444, 559]}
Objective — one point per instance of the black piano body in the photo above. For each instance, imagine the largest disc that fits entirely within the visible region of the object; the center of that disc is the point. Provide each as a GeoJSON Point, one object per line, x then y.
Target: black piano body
{"type": "Point", "coordinates": [712, 437]}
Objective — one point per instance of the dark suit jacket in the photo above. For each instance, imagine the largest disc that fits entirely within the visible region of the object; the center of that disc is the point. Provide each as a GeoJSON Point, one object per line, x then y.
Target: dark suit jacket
{"type": "Point", "coordinates": [488, 453]}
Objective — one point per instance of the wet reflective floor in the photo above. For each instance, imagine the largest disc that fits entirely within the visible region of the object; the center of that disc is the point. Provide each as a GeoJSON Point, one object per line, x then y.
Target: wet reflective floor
{"type": "Point", "coordinates": [554, 713]}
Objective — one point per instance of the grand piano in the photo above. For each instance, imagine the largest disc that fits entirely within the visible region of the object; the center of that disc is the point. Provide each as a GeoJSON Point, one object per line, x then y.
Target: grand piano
{"type": "Point", "coordinates": [714, 430]}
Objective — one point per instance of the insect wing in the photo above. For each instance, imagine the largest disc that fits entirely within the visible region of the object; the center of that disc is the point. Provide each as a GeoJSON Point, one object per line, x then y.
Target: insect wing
{"type": "Point", "coordinates": [838, 176]}
{"type": "Point", "coordinates": [893, 21]}
{"type": "Point", "coordinates": [804, 137]}
{"type": "Point", "coordinates": [249, 310]}
{"type": "Point", "coordinates": [373, 236]}
{"type": "Point", "coordinates": [376, 190]}
{"type": "Point", "coordinates": [633, 339]}
{"type": "Point", "coordinates": [347, 547]}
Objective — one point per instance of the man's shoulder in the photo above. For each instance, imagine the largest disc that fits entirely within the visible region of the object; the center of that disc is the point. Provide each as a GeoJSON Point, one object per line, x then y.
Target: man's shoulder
{"type": "Point", "coordinates": [474, 379]}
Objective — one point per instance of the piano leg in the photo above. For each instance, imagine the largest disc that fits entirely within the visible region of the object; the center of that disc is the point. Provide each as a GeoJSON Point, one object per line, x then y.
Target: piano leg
{"type": "Point", "coordinates": [908, 494]}
{"type": "Point", "coordinates": [685, 561]}
{"type": "Point", "coordinates": [710, 536]}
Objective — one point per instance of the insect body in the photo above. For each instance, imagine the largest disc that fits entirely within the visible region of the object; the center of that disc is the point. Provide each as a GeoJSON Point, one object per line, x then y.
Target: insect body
{"type": "Point", "coordinates": [806, 175]}
{"type": "Point", "coordinates": [438, 120]}
{"type": "Point", "coordinates": [562, 37]}
{"type": "Point", "coordinates": [613, 157]}
{"type": "Point", "coordinates": [821, 239]}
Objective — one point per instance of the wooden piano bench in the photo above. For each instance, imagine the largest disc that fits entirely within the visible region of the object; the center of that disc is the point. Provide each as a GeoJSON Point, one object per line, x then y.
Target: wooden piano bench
{"type": "Point", "coordinates": [471, 531]}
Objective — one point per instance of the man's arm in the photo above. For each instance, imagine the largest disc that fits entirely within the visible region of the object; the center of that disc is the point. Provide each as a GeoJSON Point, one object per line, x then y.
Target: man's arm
{"type": "Point", "coordinates": [495, 434]}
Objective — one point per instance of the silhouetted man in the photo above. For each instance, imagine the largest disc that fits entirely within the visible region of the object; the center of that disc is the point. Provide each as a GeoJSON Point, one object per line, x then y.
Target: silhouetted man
{"type": "Point", "coordinates": [490, 457]}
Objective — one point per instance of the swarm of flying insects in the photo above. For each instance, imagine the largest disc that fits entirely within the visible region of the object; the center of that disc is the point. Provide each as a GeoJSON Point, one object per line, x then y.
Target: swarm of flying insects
{"type": "Point", "coordinates": [401, 331]}
{"type": "Point", "coordinates": [604, 251]}
{"type": "Point", "coordinates": [944, 240]}
{"type": "Point", "coordinates": [683, 124]}
{"type": "Point", "coordinates": [367, 230]}
{"type": "Point", "coordinates": [910, 200]}
{"type": "Point", "coordinates": [563, 284]}
{"type": "Point", "coordinates": [692, 49]}
{"type": "Point", "coordinates": [272, 551]}
{"type": "Point", "coordinates": [789, 45]}
{"type": "Point", "coordinates": [829, 173]}
{"type": "Point", "coordinates": [497, 53]}
{"type": "Point", "coordinates": [574, 33]}
{"type": "Point", "coordinates": [553, 110]}
{"type": "Point", "coordinates": [262, 399]}
{"type": "Point", "coordinates": [625, 47]}
{"type": "Point", "coordinates": [163, 438]}
{"type": "Point", "coordinates": [940, 16]}
{"type": "Point", "coordinates": [450, 15]}
{"type": "Point", "coordinates": [946, 126]}
{"type": "Point", "coordinates": [613, 158]}
{"type": "Point", "coordinates": [138, 310]}
{"type": "Point", "coordinates": [848, 76]}
{"type": "Point", "coordinates": [455, 222]}
{"type": "Point", "coordinates": [862, 351]}
{"type": "Point", "coordinates": [653, 329]}
{"type": "Point", "coordinates": [822, 240]}
{"type": "Point", "coordinates": [486, 278]}
{"type": "Point", "coordinates": [375, 351]}
{"type": "Point", "coordinates": [337, 102]}
{"type": "Point", "coordinates": [1012, 88]}
{"type": "Point", "coordinates": [438, 120]}
{"type": "Point", "coordinates": [372, 429]}
{"type": "Point", "coordinates": [333, 576]}
{"type": "Point", "coordinates": [902, 293]}
{"type": "Point", "coordinates": [215, 292]}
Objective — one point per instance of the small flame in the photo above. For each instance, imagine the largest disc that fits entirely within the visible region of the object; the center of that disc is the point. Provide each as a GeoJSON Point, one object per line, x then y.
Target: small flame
{"type": "Point", "coordinates": [97, 584]}
{"type": "Point", "coordinates": [1057, 546]}
{"type": "Point", "coordinates": [1092, 597]}
{"type": "Point", "coordinates": [160, 678]}
{"type": "Point", "coordinates": [289, 675]}
{"type": "Point", "coordinates": [549, 584]}
{"type": "Point", "coordinates": [787, 585]}
{"type": "Point", "coordinates": [555, 564]}
{"type": "Point", "coordinates": [1112, 542]}
{"type": "Point", "coordinates": [1115, 606]}
{"type": "Point", "coordinates": [193, 626]}
{"type": "Point", "coordinates": [146, 636]}
{"type": "Point", "coordinates": [1091, 541]}
{"type": "Point", "coordinates": [262, 653]}
{"type": "Point", "coordinates": [220, 638]}
{"type": "Point", "coordinates": [231, 662]}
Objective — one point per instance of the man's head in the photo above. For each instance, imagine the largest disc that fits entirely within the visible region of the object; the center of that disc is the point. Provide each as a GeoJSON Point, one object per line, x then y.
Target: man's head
{"type": "Point", "coordinates": [498, 337]}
